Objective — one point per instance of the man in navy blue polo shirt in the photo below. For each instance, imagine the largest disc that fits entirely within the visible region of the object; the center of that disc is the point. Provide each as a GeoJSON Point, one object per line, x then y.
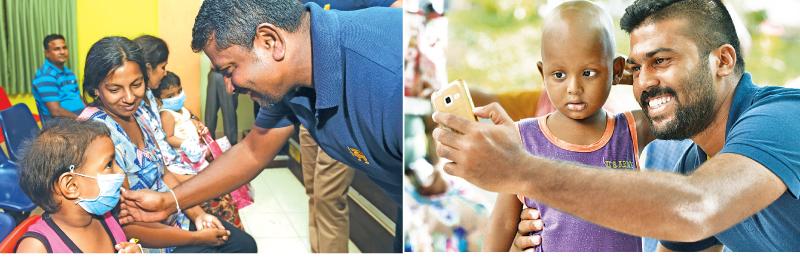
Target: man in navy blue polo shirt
{"type": "Point", "coordinates": [690, 80]}
{"type": "Point", "coordinates": [339, 74]}
{"type": "Point", "coordinates": [55, 87]}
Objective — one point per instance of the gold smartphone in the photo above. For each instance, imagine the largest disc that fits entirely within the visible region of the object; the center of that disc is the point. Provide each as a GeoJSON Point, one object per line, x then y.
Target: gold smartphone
{"type": "Point", "coordinates": [455, 99]}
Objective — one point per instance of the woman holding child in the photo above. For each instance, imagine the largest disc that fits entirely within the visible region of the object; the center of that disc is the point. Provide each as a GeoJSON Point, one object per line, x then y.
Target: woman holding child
{"type": "Point", "coordinates": [116, 77]}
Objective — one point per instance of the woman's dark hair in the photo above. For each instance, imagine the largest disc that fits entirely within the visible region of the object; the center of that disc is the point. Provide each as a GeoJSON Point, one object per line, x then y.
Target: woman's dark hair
{"type": "Point", "coordinates": [107, 55]}
{"type": "Point", "coordinates": [170, 80]}
{"type": "Point", "coordinates": [61, 144]}
{"type": "Point", "coordinates": [154, 49]}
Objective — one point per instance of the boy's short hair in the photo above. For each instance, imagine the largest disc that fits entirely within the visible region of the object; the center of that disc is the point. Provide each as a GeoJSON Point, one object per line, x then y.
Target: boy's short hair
{"type": "Point", "coordinates": [49, 155]}
{"type": "Point", "coordinates": [170, 80]}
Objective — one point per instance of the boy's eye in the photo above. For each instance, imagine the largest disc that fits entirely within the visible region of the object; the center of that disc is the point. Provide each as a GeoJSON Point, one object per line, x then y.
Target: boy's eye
{"type": "Point", "coordinates": [589, 73]}
{"type": "Point", "coordinates": [635, 68]}
{"type": "Point", "coordinates": [110, 164]}
{"type": "Point", "coordinates": [560, 75]}
{"type": "Point", "coordinates": [660, 60]}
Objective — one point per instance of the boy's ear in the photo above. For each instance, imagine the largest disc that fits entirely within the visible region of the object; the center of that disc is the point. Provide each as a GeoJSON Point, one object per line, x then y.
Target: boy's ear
{"type": "Point", "coordinates": [148, 66]}
{"type": "Point", "coordinates": [541, 71]}
{"type": "Point", "coordinates": [619, 69]}
{"type": "Point", "coordinates": [67, 185]}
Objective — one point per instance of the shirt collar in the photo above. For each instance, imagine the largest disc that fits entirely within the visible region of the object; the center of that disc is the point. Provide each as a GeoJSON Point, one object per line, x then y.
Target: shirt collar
{"type": "Point", "coordinates": [47, 63]}
{"type": "Point", "coordinates": [326, 56]}
{"type": "Point", "coordinates": [741, 99]}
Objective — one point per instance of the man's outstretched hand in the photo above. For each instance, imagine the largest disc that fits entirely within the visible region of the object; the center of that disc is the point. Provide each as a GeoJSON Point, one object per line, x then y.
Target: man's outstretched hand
{"type": "Point", "coordinates": [485, 154]}
{"type": "Point", "coordinates": [145, 206]}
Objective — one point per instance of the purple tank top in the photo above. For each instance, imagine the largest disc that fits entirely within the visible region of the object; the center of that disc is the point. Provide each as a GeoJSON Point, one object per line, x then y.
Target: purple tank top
{"type": "Point", "coordinates": [617, 148]}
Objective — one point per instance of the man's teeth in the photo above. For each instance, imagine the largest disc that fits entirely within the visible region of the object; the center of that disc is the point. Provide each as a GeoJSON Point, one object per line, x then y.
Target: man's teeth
{"type": "Point", "coordinates": [657, 102]}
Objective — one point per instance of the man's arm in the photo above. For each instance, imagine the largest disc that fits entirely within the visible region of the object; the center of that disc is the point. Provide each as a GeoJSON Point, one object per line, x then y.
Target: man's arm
{"type": "Point", "coordinates": [242, 163]}
{"type": "Point", "coordinates": [239, 165]}
{"type": "Point", "coordinates": [722, 192]}
{"type": "Point", "coordinates": [57, 111]}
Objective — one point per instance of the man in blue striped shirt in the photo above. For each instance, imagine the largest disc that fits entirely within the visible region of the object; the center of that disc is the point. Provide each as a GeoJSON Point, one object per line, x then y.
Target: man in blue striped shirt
{"type": "Point", "coordinates": [55, 87]}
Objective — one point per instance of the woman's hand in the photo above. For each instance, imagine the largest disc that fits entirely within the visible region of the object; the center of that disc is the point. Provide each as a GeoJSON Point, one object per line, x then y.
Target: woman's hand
{"type": "Point", "coordinates": [211, 236]}
{"type": "Point", "coordinates": [206, 221]}
{"type": "Point", "coordinates": [128, 248]}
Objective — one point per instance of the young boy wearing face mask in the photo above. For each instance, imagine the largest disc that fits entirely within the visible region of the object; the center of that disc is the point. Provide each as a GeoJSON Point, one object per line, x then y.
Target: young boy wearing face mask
{"type": "Point", "coordinates": [70, 172]}
{"type": "Point", "coordinates": [179, 125]}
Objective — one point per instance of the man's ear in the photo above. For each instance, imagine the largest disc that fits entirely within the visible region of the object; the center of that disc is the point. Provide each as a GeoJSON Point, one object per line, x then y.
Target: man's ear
{"type": "Point", "coordinates": [619, 69]}
{"type": "Point", "coordinates": [725, 60]}
{"type": "Point", "coordinates": [67, 185]}
{"type": "Point", "coordinates": [149, 67]}
{"type": "Point", "coordinates": [270, 38]}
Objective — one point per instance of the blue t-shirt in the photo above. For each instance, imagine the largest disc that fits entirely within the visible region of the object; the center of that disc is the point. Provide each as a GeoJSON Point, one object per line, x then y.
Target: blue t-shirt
{"type": "Point", "coordinates": [52, 84]}
{"type": "Point", "coordinates": [354, 110]}
{"type": "Point", "coordinates": [350, 5]}
{"type": "Point", "coordinates": [762, 126]}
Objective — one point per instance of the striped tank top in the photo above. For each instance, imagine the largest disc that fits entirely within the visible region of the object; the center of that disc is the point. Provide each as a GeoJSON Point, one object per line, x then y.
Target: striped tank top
{"type": "Point", "coordinates": [617, 148]}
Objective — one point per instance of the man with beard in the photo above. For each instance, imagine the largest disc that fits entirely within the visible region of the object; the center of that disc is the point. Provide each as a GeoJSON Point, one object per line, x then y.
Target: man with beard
{"type": "Point", "coordinates": [689, 78]}
{"type": "Point", "coordinates": [338, 74]}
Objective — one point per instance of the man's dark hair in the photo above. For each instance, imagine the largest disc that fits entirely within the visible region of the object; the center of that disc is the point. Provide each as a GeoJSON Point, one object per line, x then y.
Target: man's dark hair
{"type": "Point", "coordinates": [61, 144]}
{"type": "Point", "coordinates": [52, 37]}
{"type": "Point", "coordinates": [234, 22]}
{"type": "Point", "coordinates": [170, 80]}
{"type": "Point", "coordinates": [154, 49]}
{"type": "Point", "coordinates": [709, 23]}
{"type": "Point", "coordinates": [107, 55]}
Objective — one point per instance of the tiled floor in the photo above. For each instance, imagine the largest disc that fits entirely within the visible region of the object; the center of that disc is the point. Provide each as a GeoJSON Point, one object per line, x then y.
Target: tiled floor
{"type": "Point", "coordinates": [278, 219]}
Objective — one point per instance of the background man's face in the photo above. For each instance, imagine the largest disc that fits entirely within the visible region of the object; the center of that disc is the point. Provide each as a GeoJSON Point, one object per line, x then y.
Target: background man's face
{"type": "Point", "coordinates": [672, 83]}
{"type": "Point", "coordinates": [57, 52]}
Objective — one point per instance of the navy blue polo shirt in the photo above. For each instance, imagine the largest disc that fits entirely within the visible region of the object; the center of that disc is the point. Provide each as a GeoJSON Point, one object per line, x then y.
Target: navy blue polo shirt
{"type": "Point", "coordinates": [351, 4]}
{"type": "Point", "coordinates": [354, 110]}
{"type": "Point", "coordinates": [762, 125]}
{"type": "Point", "coordinates": [51, 84]}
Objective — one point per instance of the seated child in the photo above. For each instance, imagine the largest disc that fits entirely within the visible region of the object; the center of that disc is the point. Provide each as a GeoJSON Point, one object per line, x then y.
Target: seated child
{"type": "Point", "coordinates": [578, 67]}
{"type": "Point", "coordinates": [180, 128]}
{"type": "Point", "coordinates": [69, 171]}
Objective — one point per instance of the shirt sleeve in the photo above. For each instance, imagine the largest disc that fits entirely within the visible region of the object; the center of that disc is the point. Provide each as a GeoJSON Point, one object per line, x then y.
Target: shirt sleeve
{"type": "Point", "coordinates": [277, 115]}
{"type": "Point", "coordinates": [47, 87]}
{"type": "Point", "coordinates": [766, 134]}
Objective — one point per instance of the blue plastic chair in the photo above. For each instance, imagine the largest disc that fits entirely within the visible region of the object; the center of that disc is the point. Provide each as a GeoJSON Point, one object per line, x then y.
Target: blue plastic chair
{"type": "Point", "coordinates": [18, 127]}
{"type": "Point", "coordinates": [7, 224]}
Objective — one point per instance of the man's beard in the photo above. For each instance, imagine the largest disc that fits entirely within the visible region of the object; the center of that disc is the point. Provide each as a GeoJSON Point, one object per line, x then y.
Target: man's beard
{"type": "Point", "coordinates": [696, 115]}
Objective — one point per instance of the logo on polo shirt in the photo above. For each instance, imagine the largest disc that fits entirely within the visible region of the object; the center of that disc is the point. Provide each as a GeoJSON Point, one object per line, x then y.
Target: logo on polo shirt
{"type": "Point", "coordinates": [358, 155]}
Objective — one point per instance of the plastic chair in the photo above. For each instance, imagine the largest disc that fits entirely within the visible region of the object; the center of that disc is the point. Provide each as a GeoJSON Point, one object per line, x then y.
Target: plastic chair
{"type": "Point", "coordinates": [19, 126]}
{"type": "Point", "coordinates": [7, 224]}
{"type": "Point", "coordinates": [5, 103]}
{"type": "Point", "coordinates": [12, 198]}
{"type": "Point", "coordinates": [10, 242]}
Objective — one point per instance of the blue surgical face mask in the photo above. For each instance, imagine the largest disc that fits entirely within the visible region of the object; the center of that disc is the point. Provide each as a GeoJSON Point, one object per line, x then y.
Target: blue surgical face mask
{"type": "Point", "coordinates": [174, 103]}
{"type": "Point", "coordinates": [108, 197]}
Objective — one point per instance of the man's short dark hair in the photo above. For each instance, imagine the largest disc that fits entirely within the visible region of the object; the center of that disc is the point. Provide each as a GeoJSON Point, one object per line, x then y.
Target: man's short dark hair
{"type": "Point", "coordinates": [170, 80]}
{"type": "Point", "coordinates": [234, 22]}
{"type": "Point", "coordinates": [709, 23]}
{"type": "Point", "coordinates": [52, 37]}
{"type": "Point", "coordinates": [61, 144]}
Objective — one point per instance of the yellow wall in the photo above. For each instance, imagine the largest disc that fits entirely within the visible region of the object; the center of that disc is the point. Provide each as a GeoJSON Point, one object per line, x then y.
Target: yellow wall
{"type": "Point", "coordinates": [176, 19]}
{"type": "Point", "coordinates": [99, 18]}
